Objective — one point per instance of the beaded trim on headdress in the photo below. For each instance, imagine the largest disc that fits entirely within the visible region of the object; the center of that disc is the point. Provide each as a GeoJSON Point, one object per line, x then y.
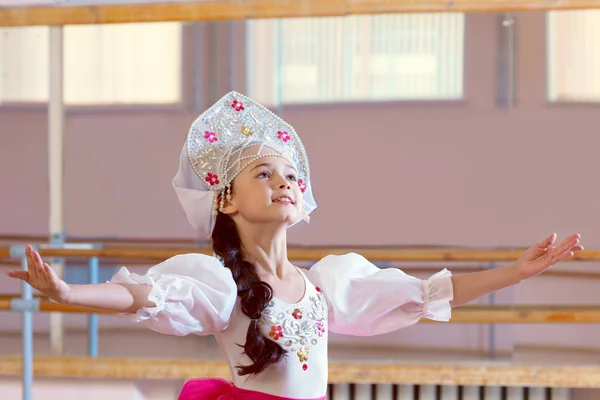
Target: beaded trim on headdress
{"type": "Point", "coordinates": [220, 136]}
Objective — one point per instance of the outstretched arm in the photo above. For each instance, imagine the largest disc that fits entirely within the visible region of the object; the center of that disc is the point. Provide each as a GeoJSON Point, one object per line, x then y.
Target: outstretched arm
{"type": "Point", "coordinates": [534, 261]}
{"type": "Point", "coordinates": [364, 300]}
{"type": "Point", "coordinates": [187, 293]}
{"type": "Point", "coordinates": [115, 297]}
{"type": "Point", "coordinates": [121, 298]}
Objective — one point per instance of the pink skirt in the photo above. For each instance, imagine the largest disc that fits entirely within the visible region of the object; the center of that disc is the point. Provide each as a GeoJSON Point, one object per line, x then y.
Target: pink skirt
{"type": "Point", "coordinates": [220, 389]}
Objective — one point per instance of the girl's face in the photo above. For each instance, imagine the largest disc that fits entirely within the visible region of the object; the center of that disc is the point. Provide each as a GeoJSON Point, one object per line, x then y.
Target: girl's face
{"type": "Point", "coordinates": [267, 191]}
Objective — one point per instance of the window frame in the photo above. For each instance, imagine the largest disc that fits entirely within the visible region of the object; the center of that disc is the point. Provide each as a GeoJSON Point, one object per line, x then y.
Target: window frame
{"type": "Point", "coordinates": [548, 69]}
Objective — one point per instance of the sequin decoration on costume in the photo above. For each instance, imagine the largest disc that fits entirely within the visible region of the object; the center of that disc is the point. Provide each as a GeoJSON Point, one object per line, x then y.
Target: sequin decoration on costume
{"type": "Point", "coordinates": [238, 105]}
{"type": "Point", "coordinates": [301, 327]}
{"type": "Point", "coordinates": [210, 136]}
{"type": "Point", "coordinates": [212, 179]}
{"type": "Point", "coordinates": [276, 332]}
{"type": "Point", "coordinates": [283, 136]}
{"type": "Point", "coordinates": [302, 185]}
{"type": "Point", "coordinates": [247, 131]}
{"type": "Point", "coordinates": [302, 354]}
{"type": "Point", "coordinates": [320, 328]}
{"type": "Point", "coordinates": [297, 314]}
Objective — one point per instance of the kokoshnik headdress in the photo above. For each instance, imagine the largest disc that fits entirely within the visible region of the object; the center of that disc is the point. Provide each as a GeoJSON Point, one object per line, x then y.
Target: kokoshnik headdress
{"type": "Point", "coordinates": [224, 140]}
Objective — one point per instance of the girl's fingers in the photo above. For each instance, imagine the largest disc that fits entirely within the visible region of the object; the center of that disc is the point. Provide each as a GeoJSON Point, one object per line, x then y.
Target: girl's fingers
{"type": "Point", "coordinates": [568, 243]}
{"type": "Point", "coordinates": [49, 274]}
{"type": "Point", "coordinates": [39, 265]}
{"type": "Point", "coordinates": [564, 256]}
{"type": "Point", "coordinates": [31, 263]}
{"type": "Point", "coordinates": [18, 274]}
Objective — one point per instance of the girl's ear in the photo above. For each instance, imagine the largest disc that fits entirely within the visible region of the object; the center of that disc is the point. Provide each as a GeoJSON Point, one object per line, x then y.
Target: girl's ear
{"type": "Point", "coordinates": [226, 204]}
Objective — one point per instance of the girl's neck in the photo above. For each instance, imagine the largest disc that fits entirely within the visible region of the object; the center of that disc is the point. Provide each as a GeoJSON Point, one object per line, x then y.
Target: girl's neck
{"type": "Point", "coordinates": [266, 249]}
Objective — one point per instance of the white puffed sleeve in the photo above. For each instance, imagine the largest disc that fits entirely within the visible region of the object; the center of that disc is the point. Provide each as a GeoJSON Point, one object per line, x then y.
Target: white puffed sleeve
{"type": "Point", "coordinates": [193, 293]}
{"type": "Point", "coordinates": [364, 300]}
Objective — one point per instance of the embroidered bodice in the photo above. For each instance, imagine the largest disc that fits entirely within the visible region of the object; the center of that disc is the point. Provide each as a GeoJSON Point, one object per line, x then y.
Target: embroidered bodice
{"type": "Point", "coordinates": [297, 327]}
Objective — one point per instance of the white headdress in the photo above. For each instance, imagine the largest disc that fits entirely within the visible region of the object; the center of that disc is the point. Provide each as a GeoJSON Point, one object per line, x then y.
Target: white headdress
{"type": "Point", "coordinates": [217, 150]}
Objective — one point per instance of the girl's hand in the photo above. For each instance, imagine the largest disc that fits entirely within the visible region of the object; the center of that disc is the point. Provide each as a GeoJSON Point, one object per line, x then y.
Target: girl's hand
{"type": "Point", "coordinates": [544, 254]}
{"type": "Point", "coordinates": [40, 276]}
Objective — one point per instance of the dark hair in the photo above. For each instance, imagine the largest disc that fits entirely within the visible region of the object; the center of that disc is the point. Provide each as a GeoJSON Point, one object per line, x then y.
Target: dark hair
{"type": "Point", "coordinates": [254, 293]}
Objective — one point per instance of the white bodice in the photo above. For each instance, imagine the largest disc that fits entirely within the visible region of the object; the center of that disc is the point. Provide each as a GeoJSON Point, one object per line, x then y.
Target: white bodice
{"type": "Point", "coordinates": [195, 294]}
{"type": "Point", "coordinates": [301, 329]}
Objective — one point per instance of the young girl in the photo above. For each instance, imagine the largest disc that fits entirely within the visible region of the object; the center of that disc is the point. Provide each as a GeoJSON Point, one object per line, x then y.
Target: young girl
{"type": "Point", "coordinates": [244, 179]}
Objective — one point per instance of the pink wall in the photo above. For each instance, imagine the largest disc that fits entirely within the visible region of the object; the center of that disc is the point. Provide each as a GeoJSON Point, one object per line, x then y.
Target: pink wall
{"type": "Point", "coordinates": [464, 173]}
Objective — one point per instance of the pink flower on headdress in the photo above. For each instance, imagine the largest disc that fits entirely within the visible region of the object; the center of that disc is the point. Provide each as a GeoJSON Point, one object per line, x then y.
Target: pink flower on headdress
{"type": "Point", "coordinates": [210, 136]}
{"type": "Point", "coordinates": [302, 185]}
{"type": "Point", "coordinates": [283, 136]}
{"type": "Point", "coordinates": [212, 179]}
{"type": "Point", "coordinates": [237, 105]}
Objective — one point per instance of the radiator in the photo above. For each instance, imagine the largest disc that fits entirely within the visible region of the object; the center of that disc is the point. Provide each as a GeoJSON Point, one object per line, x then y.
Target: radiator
{"type": "Point", "coordinates": [434, 392]}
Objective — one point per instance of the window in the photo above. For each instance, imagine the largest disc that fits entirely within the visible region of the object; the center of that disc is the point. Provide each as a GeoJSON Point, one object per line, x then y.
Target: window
{"type": "Point", "coordinates": [103, 64]}
{"type": "Point", "coordinates": [573, 55]}
{"type": "Point", "coordinates": [356, 58]}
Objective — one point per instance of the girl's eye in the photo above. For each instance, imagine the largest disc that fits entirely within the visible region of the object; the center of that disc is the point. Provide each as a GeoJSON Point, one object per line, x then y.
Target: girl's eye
{"type": "Point", "coordinates": [293, 178]}
{"type": "Point", "coordinates": [263, 174]}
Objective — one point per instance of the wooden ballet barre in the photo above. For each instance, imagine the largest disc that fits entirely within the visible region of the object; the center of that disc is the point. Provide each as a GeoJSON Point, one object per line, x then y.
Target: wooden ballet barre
{"type": "Point", "coordinates": [46, 305]}
{"type": "Point", "coordinates": [106, 241]}
{"type": "Point", "coordinates": [481, 374]}
{"type": "Point", "coordinates": [420, 270]}
{"type": "Point", "coordinates": [465, 314]}
{"type": "Point", "coordinates": [254, 9]}
{"type": "Point", "coordinates": [311, 253]}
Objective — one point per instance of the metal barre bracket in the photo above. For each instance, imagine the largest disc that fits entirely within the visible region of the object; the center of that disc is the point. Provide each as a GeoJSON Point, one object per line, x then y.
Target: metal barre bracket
{"type": "Point", "coordinates": [58, 238]}
{"type": "Point", "coordinates": [17, 251]}
{"type": "Point", "coordinates": [32, 305]}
